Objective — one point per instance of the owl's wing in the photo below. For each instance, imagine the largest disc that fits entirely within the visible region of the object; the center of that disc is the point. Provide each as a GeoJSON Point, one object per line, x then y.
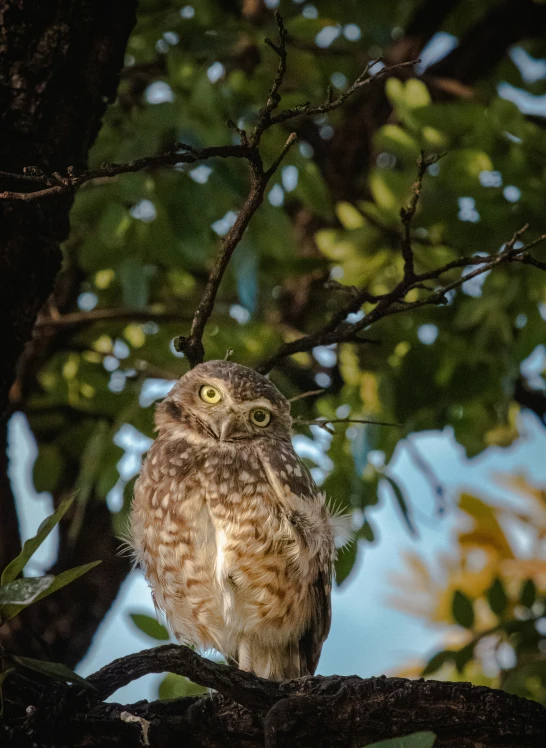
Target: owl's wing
{"type": "Point", "coordinates": [285, 471]}
{"type": "Point", "coordinates": [319, 626]}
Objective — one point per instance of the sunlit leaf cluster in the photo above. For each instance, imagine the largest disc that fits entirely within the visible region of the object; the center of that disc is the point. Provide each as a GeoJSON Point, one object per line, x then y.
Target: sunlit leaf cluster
{"type": "Point", "coordinates": [489, 591]}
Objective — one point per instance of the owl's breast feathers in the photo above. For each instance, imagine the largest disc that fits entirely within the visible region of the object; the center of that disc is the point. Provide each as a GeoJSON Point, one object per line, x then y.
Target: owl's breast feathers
{"type": "Point", "coordinates": [236, 543]}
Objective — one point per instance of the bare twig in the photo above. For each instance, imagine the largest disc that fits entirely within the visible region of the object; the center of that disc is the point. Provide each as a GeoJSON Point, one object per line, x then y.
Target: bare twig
{"type": "Point", "coordinates": [192, 346]}
{"type": "Point", "coordinates": [82, 319]}
{"type": "Point", "coordinates": [274, 99]}
{"type": "Point", "coordinates": [364, 79]}
{"type": "Point", "coordinates": [306, 394]}
{"type": "Point", "coordinates": [407, 214]}
{"type": "Point", "coordinates": [324, 423]}
{"type": "Point", "coordinates": [435, 483]}
{"type": "Point", "coordinates": [180, 153]}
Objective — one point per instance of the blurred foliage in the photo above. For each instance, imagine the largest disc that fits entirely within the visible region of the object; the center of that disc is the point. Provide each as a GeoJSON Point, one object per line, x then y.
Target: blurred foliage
{"type": "Point", "coordinates": [17, 593]}
{"type": "Point", "coordinates": [489, 590]}
{"type": "Point", "coordinates": [415, 740]}
{"type": "Point", "coordinates": [142, 244]}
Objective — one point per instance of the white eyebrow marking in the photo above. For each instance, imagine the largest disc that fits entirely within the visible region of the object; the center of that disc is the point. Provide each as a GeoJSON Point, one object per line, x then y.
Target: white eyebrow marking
{"type": "Point", "coordinates": [261, 402]}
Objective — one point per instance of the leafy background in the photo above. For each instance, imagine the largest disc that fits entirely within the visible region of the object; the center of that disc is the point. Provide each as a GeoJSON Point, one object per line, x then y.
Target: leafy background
{"type": "Point", "coordinates": [138, 256]}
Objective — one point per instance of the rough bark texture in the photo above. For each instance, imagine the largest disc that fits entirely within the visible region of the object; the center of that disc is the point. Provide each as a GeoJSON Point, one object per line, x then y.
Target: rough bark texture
{"type": "Point", "coordinates": [59, 68]}
{"type": "Point", "coordinates": [344, 712]}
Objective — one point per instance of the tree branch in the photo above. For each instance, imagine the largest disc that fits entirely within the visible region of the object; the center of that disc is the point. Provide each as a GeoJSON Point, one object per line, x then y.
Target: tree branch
{"type": "Point", "coordinates": [408, 214]}
{"type": "Point", "coordinates": [333, 712]}
{"type": "Point", "coordinates": [192, 346]}
{"type": "Point", "coordinates": [309, 110]}
{"type": "Point", "coordinates": [242, 687]}
{"type": "Point", "coordinates": [82, 319]}
{"type": "Point", "coordinates": [59, 184]}
{"type": "Point", "coordinates": [337, 330]}
{"type": "Point", "coordinates": [324, 423]}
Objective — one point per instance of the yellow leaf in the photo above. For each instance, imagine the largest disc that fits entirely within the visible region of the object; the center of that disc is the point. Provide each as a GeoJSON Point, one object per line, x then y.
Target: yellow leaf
{"type": "Point", "coordinates": [484, 516]}
{"type": "Point", "coordinates": [135, 335]}
{"type": "Point", "coordinates": [369, 392]}
{"type": "Point", "coordinates": [416, 94]}
{"type": "Point", "coordinates": [349, 216]}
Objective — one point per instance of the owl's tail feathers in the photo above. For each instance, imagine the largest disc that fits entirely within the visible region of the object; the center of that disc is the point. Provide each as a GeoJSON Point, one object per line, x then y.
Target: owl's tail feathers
{"type": "Point", "coordinates": [273, 664]}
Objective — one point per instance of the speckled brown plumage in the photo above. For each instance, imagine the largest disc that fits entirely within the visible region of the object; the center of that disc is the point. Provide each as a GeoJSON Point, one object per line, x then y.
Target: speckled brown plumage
{"type": "Point", "coordinates": [233, 534]}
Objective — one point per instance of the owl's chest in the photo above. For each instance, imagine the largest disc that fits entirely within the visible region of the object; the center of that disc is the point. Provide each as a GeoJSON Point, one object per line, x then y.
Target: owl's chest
{"type": "Point", "coordinates": [183, 498]}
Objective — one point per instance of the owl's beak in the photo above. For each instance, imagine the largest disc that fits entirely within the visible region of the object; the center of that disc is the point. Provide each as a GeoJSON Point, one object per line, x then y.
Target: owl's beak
{"type": "Point", "coordinates": [229, 427]}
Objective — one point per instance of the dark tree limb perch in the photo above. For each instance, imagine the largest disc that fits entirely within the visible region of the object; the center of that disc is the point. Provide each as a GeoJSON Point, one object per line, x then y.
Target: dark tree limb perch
{"type": "Point", "coordinates": [246, 689]}
{"type": "Point", "coordinates": [332, 712]}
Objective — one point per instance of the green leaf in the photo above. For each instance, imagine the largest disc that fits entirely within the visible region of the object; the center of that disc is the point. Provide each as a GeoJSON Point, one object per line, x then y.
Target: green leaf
{"type": "Point", "coordinates": [60, 581]}
{"type": "Point", "coordinates": [528, 594]}
{"type": "Point", "coordinates": [24, 591]}
{"type": "Point", "coordinates": [463, 656]}
{"type": "Point", "coordinates": [346, 558]}
{"type": "Point", "coordinates": [150, 626]}
{"type": "Point", "coordinates": [402, 505]}
{"type": "Point", "coordinates": [54, 670]}
{"type": "Point", "coordinates": [415, 740]}
{"type": "Point", "coordinates": [48, 468]}
{"type": "Point", "coordinates": [462, 610]}
{"type": "Point", "coordinates": [5, 674]}
{"type": "Point", "coordinates": [437, 661]}
{"type": "Point", "coordinates": [366, 532]}
{"type": "Point", "coordinates": [176, 686]}
{"type": "Point", "coordinates": [134, 283]}
{"type": "Point", "coordinates": [16, 566]}
{"type": "Point", "coordinates": [497, 598]}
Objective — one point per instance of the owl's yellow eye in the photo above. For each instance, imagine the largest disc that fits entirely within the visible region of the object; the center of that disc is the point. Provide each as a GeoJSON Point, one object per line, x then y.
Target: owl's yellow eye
{"type": "Point", "coordinates": [260, 416]}
{"type": "Point", "coordinates": [210, 394]}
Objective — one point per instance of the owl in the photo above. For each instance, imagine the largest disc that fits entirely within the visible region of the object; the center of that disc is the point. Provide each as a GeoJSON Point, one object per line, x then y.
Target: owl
{"type": "Point", "coordinates": [234, 537]}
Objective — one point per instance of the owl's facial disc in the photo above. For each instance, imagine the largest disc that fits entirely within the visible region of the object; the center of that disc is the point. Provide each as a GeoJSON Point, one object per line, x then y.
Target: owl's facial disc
{"type": "Point", "coordinates": [228, 419]}
{"type": "Point", "coordinates": [224, 401]}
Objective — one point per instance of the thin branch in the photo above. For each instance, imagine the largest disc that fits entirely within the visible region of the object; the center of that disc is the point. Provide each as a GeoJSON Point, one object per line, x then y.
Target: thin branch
{"type": "Point", "coordinates": [192, 346]}
{"type": "Point", "coordinates": [324, 423]}
{"type": "Point", "coordinates": [337, 330]}
{"type": "Point", "coordinates": [274, 99]}
{"type": "Point", "coordinates": [82, 319]}
{"type": "Point", "coordinates": [311, 393]}
{"type": "Point", "coordinates": [180, 153]}
{"type": "Point", "coordinates": [435, 483]}
{"type": "Point", "coordinates": [407, 214]}
{"type": "Point", "coordinates": [364, 79]}
{"type": "Point", "coordinates": [320, 421]}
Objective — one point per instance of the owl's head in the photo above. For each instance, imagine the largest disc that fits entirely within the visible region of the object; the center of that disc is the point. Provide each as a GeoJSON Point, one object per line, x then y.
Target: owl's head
{"type": "Point", "coordinates": [226, 401]}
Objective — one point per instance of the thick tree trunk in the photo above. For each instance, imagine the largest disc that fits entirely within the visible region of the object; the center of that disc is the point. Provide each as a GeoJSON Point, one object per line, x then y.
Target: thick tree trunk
{"type": "Point", "coordinates": [59, 69]}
